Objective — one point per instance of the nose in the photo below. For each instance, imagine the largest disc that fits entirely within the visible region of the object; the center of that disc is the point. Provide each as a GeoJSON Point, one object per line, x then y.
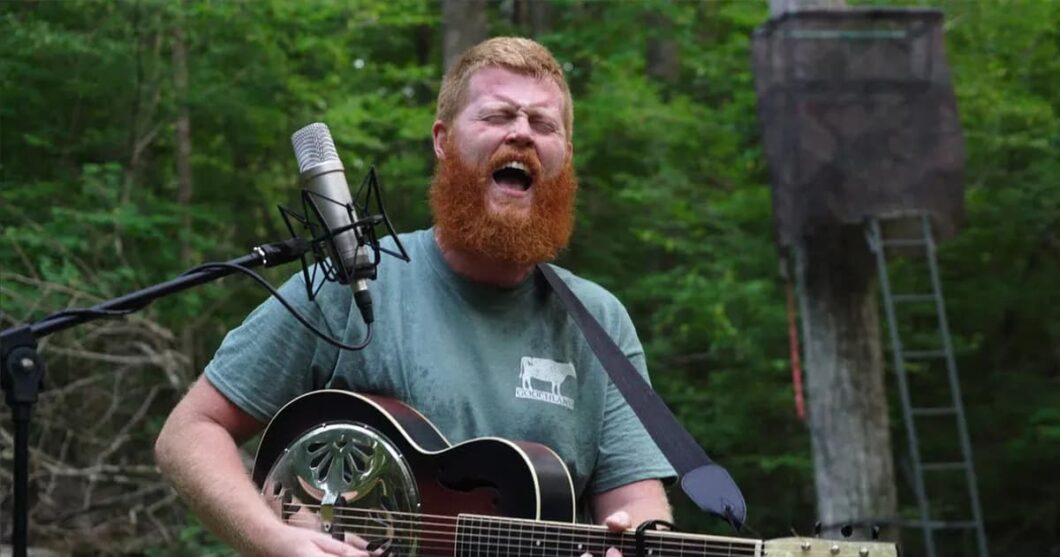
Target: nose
{"type": "Point", "coordinates": [519, 133]}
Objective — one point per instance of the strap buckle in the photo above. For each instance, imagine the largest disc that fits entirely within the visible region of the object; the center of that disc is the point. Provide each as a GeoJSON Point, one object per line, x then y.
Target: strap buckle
{"type": "Point", "coordinates": [644, 527]}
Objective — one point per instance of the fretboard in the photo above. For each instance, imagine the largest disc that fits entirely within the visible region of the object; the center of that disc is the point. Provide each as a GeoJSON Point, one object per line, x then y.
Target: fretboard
{"type": "Point", "coordinates": [478, 535]}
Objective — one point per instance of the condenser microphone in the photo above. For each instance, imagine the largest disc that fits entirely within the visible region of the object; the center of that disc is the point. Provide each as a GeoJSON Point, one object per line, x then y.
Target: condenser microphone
{"type": "Point", "coordinates": [322, 175]}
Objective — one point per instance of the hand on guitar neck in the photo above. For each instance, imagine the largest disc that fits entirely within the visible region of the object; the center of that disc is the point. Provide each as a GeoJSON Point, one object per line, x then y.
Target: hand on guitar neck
{"type": "Point", "coordinates": [624, 508]}
{"type": "Point", "coordinates": [616, 522]}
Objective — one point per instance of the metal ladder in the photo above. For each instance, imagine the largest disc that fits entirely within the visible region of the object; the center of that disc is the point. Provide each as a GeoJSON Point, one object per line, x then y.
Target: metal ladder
{"type": "Point", "coordinates": [910, 412]}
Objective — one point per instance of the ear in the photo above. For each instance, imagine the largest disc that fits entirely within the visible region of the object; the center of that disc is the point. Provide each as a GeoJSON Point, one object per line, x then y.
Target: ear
{"type": "Point", "coordinates": [570, 150]}
{"type": "Point", "coordinates": [439, 133]}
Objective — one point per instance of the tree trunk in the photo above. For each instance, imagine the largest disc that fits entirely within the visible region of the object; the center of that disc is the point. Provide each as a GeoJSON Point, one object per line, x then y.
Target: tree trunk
{"type": "Point", "coordinates": [183, 138]}
{"type": "Point", "coordinates": [424, 41]}
{"type": "Point", "coordinates": [463, 26]}
{"type": "Point", "coordinates": [540, 15]}
{"type": "Point", "coordinates": [533, 16]}
{"type": "Point", "coordinates": [662, 56]}
{"type": "Point", "coordinates": [143, 128]}
{"type": "Point", "coordinates": [847, 402]}
{"type": "Point", "coordinates": [184, 178]}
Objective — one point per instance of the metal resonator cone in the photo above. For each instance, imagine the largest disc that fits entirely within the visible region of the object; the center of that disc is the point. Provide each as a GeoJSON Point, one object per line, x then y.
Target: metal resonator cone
{"type": "Point", "coordinates": [347, 479]}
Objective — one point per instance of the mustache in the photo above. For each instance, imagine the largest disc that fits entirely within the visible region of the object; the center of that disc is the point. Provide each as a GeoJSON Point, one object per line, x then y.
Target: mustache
{"type": "Point", "coordinates": [509, 153]}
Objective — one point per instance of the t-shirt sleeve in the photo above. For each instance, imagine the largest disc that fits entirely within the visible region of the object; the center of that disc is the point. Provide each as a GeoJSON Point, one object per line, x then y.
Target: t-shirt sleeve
{"type": "Point", "coordinates": [271, 358]}
{"type": "Point", "coordinates": [627, 453]}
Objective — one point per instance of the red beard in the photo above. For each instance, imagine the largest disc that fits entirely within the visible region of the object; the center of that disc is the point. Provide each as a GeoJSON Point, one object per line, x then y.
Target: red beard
{"type": "Point", "coordinates": [464, 220]}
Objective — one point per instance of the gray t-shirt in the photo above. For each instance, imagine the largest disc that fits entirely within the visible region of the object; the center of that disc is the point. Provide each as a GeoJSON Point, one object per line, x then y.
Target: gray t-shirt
{"type": "Point", "coordinates": [477, 360]}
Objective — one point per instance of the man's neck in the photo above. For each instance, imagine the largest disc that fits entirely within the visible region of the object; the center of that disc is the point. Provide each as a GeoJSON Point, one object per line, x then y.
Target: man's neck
{"type": "Point", "coordinates": [482, 269]}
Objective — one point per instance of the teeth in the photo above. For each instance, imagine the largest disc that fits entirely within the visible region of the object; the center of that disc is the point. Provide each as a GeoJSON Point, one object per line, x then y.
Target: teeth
{"type": "Point", "coordinates": [517, 166]}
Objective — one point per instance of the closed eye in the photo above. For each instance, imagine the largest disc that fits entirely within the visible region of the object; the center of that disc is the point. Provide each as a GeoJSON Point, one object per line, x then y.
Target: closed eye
{"type": "Point", "coordinates": [544, 126]}
{"type": "Point", "coordinates": [498, 117]}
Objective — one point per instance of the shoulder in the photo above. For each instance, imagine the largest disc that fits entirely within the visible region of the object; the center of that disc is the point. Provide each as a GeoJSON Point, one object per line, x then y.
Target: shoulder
{"type": "Point", "coordinates": [411, 244]}
{"type": "Point", "coordinates": [391, 266]}
{"type": "Point", "coordinates": [409, 240]}
{"type": "Point", "coordinates": [604, 305]}
{"type": "Point", "coordinates": [583, 287]}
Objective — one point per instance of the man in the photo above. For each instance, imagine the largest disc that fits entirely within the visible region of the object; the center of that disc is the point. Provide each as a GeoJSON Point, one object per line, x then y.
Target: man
{"type": "Point", "coordinates": [457, 330]}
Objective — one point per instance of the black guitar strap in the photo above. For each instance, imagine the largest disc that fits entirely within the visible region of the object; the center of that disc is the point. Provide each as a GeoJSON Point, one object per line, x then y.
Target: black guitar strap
{"type": "Point", "coordinates": [707, 484]}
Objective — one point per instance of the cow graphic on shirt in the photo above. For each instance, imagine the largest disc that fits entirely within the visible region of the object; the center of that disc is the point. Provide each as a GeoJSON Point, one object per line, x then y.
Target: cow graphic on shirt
{"type": "Point", "coordinates": [546, 373]}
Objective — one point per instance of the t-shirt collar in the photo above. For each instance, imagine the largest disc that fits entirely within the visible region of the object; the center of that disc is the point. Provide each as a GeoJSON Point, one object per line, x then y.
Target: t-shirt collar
{"type": "Point", "coordinates": [473, 291]}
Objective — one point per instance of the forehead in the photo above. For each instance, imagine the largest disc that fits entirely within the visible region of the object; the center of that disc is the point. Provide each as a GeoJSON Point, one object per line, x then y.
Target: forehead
{"type": "Point", "coordinates": [492, 84]}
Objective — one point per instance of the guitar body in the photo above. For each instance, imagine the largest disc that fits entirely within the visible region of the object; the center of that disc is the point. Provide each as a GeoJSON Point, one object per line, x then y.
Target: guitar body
{"type": "Point", "coordinates": [375, 472]}
{"type": "Point", "coordinates": [347, 450]}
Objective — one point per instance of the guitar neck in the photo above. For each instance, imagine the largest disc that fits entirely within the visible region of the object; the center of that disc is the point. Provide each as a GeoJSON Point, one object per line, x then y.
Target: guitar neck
{"type": "Point", "coordinates": [490, 535]}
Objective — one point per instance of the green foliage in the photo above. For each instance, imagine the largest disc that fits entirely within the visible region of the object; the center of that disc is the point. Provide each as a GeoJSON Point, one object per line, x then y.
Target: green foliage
{"type": "Point", "coordinates": [194, 539]}
{"type": "Point", "coordinates": [673, 210]}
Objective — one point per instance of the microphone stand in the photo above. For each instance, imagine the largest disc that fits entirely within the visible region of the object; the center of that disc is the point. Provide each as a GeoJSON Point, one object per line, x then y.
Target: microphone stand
{"type": "Point", "coordinates": [22, 369]}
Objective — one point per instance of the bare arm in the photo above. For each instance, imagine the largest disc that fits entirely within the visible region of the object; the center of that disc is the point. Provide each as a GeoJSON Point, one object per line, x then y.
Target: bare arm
{"type": "Point", "coordinates": [198, 453]}
{"type": "Point", "coordinates": [643, 500]}
{"type": "Point", "coordinates": [629, 505]}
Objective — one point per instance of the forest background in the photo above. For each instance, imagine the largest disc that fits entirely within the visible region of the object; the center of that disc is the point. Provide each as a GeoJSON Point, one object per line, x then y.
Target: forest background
{"type": "Point", "coordinates": [140, 138]}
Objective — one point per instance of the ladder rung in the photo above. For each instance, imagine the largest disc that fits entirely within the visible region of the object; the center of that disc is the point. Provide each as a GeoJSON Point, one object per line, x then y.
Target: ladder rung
{"type": "Point", "coordinates": [935, 411]}
{"type": "Point", "coordinates": [936, 524]}
{"type": "Point", "coordinates": [923, 354]}
{"type": "Point", "coordinates": [952, 524]}
{"type": "Point", "coordinates": [912, 298]}
{"type": "Point", "coordinates": [944, 466]}
{"type": "Point", "coordinates": [904, 242]}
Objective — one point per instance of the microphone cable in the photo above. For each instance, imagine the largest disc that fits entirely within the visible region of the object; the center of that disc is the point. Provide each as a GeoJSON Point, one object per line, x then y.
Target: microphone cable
{"type": "Point", "coordinates": [290, 309]}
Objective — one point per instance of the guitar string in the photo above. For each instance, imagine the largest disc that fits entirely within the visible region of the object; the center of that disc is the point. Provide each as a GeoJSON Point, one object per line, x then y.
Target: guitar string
{"type": "Point", "coordinates": [659, 536]}
{"type": "Point", "coordinates": [558, 538]}
{"type": "Point", "coordinates": [447, 547]}
{"type": "Point", "coordinates": [507, 548]}
{"type": "Point", "coordinates": [500, 520]}
{"type": "Point", "coordinates": [449, 541]}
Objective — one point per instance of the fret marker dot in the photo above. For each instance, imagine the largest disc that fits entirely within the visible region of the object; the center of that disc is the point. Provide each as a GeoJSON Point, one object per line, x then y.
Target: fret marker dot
{"type": "Point", "coordinates": [538, 543]}
{"type": "Point", "coordinates": [579, 547]}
